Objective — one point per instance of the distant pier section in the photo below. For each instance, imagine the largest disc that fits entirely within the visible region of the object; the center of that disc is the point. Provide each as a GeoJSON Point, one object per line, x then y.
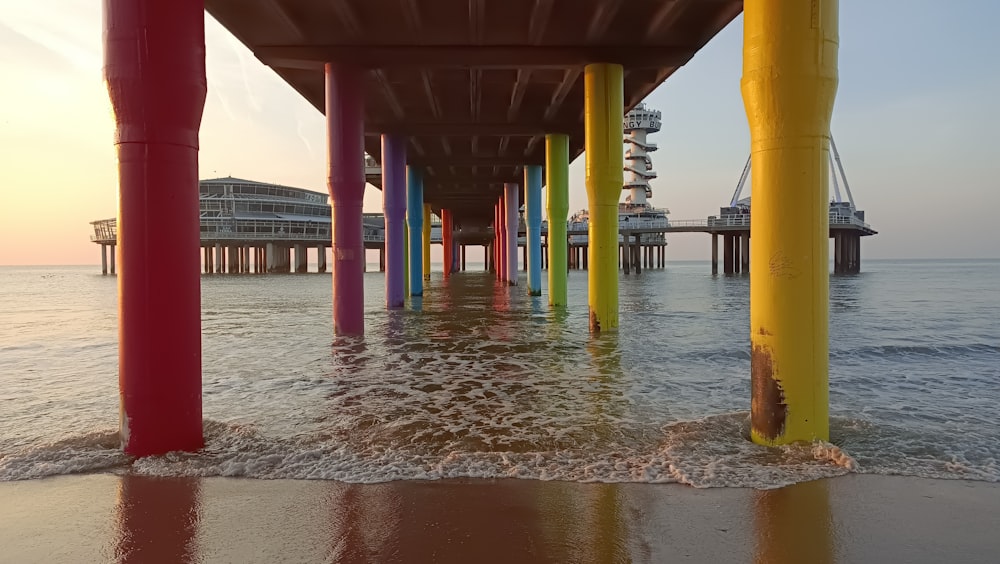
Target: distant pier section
{"type": "Point", "coordinates": [257, 227]}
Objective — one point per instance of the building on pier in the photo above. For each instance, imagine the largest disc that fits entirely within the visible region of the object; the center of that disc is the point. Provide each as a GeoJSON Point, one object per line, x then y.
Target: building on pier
{"type": "Point", "coordinates": [249, 226]}
{"type": "Point", "coordinates": [847, 224]}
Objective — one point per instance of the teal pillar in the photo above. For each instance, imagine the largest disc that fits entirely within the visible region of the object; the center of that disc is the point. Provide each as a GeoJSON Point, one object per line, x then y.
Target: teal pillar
{"type": "Point", "coordinates": [533, 224]}
{"type": "Point", "coordinates": [415, 225]}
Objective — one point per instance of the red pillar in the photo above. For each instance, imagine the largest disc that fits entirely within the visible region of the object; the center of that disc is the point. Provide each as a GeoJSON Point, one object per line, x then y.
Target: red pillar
{"type": "Point", "coordinates": [155, 72]}
{"type": "Point", "coordinates": [345, 140]}
{"type": "Point", "coordinates": [446, 241]}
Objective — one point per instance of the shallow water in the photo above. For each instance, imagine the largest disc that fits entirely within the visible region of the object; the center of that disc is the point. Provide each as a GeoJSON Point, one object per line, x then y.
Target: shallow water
{"type": "Point", "coordinates": [477, 379]}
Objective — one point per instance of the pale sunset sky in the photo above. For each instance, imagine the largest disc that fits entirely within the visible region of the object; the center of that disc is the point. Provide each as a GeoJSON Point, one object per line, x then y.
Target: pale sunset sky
{"type": "Point", "coordinates": [916, 120]}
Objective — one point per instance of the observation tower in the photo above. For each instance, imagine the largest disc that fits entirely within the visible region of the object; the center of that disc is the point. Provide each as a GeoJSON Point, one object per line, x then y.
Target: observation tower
{"type": "Point", "coordinates": [638, 123]}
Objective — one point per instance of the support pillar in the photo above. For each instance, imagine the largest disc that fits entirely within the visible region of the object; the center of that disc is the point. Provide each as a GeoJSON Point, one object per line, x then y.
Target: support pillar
{"type": "Point", "coordinates": [406, 259]}
{"type": "Point", "coordinates": [557, 208]}
{"type": "Point", "coordinates": [637, 253]}
{"type": "Point", "coordinates": [155, 71]}
{"type": "Point", "coordinates": [727, 253]}
{"type": "Point", "coordinates": [415, 227]}
{"type": "Point", "coordinates": [737, 250]}
{"type": "Point", "coordinates": [104, 259]}
{"type": "Point", "coordinates": [447, 244]}
{"type": "Point", "coordinates": [463, 258]}
{"type": "Point", "coordinates": [789, 101]}
{"type": "Point", "coordinates": [603, 111]}
{"type": "Point", "coordinates": [426, 239]}
{"type": "Point", "coordinates": [857, 253]}
{"type": "Point", "coordinates": [502, 240]}
{"type": "Point", "coordinates": [838, 252]}
{"type": "Point", "coordinates": [218, 258]}
{"type": "Point", "coordinates": [533, 227]}
{"type": "Point", "coordinates": [745, 252]}
{"type": "Point", "coordinates": [321, 258]}
{"type": "Point", "coordinates": [345, 140]}
{"type": "Point", "coordinates": [301, 259]}
{"type": "Point", "coordinates": [495, 247]}
{"type": "Point", "coordinates": [510, 208]}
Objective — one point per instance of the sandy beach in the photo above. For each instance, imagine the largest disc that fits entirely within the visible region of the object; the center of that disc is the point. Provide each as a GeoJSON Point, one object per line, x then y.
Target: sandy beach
{"type": "Point", "coordinates": [856, 518]}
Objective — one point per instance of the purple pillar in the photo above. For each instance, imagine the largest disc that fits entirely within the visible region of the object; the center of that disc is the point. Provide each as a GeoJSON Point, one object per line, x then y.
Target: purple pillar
{"type": "Point", "coordinates": [511, 206]}
{"type": "Point", "coordinates": [394, 208]}
{"type": "Point", "coordinates": [345, 140]}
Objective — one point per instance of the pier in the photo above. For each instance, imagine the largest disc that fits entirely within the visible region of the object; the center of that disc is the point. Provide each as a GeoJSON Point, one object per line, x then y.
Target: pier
{"type": "Point", "coordinates": [470, 98]}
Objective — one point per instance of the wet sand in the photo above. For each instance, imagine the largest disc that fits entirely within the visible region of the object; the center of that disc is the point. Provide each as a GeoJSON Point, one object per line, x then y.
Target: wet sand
{"type": "Point", "coordinates": [855, 518]}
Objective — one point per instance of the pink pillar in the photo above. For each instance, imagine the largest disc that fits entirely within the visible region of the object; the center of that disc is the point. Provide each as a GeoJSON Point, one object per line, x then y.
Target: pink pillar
{"type": "Point", "coordinates": [446, 241]}
{"type": "Point", "coordinates": [502, 221]}
{"type": "Point", "coordinates": [496, 240]}
{"type": "Point", "coordinates": [345, 140]}
{"type": "Point", "coordinates": [155, 72]}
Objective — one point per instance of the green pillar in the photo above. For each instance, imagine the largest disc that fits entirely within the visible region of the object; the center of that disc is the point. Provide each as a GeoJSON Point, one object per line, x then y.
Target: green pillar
{"type": "Point", "coordinates": [557, 209]}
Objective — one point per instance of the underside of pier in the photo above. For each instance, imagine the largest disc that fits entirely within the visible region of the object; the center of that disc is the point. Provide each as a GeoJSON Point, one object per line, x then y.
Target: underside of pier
{"type": "Point", "coordinates": [474, 85]}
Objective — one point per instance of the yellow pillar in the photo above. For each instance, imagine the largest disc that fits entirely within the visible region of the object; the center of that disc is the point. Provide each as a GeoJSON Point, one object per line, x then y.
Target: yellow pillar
{"type": "Point", "coordinates": [427, 241]}
{"type": "Point", "coordinates": [789, 84]}
{"type": "Point", "coordinates": [604, 109]}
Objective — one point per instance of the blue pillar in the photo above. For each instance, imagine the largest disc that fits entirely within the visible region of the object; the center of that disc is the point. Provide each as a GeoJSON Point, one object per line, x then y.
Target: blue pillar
{"type": "Point", "coordinates": [415, 222]}
{"type": "Point", "coordinates": [533, 226]}
{"type": "Point", "coordinates": [394, 208]}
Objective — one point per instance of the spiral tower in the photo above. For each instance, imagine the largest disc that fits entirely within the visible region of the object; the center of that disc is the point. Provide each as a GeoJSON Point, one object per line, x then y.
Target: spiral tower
{"type": "Point", "coordinates": [638, 123]}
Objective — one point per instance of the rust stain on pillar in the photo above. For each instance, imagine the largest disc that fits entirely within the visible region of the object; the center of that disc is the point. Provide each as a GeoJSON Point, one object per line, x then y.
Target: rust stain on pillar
{"type": "Point", "coordinates": [767, 399]}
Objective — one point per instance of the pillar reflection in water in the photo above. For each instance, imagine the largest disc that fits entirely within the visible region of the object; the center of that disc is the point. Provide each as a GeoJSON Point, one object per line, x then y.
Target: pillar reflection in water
{"type": "Point", "coordinates": [605, 404]}
{"type": "Point", "coordinates": [157, 520]}
{"type": "Point", "coordinates": [794, 524]}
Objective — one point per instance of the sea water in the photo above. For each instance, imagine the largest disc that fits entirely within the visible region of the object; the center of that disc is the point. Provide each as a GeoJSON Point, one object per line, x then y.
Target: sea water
{"type": "Point", "coordinates": [478, 379]}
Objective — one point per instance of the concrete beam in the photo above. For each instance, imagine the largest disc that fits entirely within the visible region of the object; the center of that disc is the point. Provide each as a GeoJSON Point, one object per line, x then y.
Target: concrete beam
{"type": "Point", "coordinates": [313, 57]}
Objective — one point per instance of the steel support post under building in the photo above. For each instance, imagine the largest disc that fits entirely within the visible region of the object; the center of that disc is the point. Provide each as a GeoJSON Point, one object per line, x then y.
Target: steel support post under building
{"type": "Point", "coordinates": [715, 253]}
{"type": "Point", "coordinates": [394, 209]}
{"type": "Point", "coordinates": [301, 259]}
{"type": "Point", "coordinates": [737, 249]}
{"type": "Point", "coordinates": [321, 258]}
{"type": "Point", "coordinates": [789, 84]}
{"type": "Point", "coordinates": [603, 87]}
{"type": "Point", "coordinates": [345, 140]}
{"type": "Point", "coordinates": [415, 227]}
{"type": "Point", "coordinates": [155, 72]}
{"type": "Point", "coordinates": [511, 205]}
{"type": "Point", "coordinates": [533, 226]}
{"type": "Point", "coordinates": [727, 253]}
{"type": "Point", "coordinates": [557, 207]}
{"type": "Point", "coordinates": [745, 252]}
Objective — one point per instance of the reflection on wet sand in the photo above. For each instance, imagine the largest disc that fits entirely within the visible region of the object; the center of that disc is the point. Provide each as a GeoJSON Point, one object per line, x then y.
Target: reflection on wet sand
{"type": "Point", "coordinates": [794, 524]}
{"type": "Point", "coordinates": [157, 520]}
{"type": "Point", "coordinates": [102, 518]}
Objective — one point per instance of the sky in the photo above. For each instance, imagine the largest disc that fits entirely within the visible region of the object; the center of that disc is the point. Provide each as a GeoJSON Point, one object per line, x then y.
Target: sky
{"type": "Point", "coordinates": [916, 121]}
